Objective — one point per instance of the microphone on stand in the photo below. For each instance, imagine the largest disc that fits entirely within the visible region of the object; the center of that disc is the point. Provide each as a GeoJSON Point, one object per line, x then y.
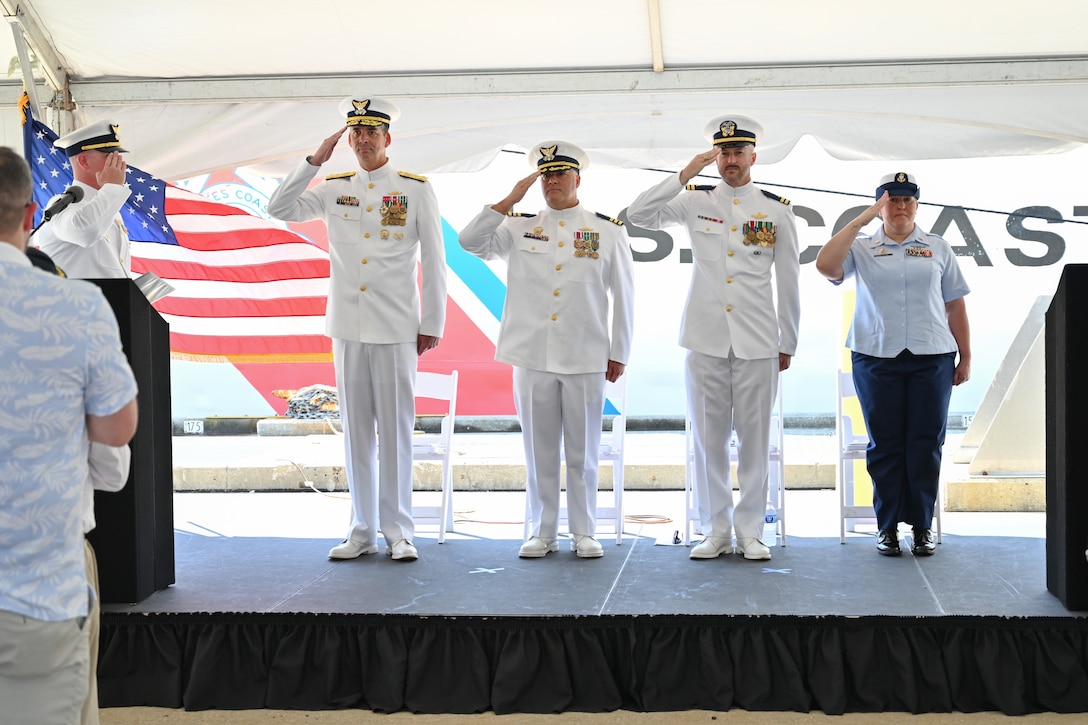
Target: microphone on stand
{"type": "Point", "coordinates": [70, 196]}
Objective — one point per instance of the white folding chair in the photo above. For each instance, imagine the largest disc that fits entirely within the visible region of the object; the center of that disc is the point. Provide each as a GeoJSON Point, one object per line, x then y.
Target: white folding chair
{"type": "Point", "coordinates": [776, 473]}
{"type": "Point", "coordinates": [610, 452]}
{"type": "Point", "coordinates": [437, 447]}
{"type": "Point", "coordinates": [852, 446]}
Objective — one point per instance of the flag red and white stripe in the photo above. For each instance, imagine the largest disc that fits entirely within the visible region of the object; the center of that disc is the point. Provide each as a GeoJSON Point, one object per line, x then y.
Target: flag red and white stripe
{"type": "Point", "coordinates": [246, 289]}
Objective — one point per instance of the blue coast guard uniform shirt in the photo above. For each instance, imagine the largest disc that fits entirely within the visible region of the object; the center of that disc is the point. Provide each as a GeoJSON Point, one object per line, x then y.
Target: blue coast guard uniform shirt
{"type": "Point", "coordinates": [902, 290]}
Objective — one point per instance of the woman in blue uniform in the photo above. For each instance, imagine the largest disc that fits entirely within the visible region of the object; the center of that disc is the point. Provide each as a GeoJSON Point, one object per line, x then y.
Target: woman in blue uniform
{"type": "Point", "coordinates": [910, 343]}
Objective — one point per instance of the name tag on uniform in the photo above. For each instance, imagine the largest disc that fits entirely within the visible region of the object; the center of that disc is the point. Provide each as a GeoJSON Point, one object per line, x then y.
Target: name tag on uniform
{"type": "Point", "coordinates": [883, 252]}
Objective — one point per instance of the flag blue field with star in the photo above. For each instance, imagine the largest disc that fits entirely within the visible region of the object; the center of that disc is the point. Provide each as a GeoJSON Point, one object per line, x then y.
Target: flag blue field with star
{"type": "Point", "coordinates": [144, 212]}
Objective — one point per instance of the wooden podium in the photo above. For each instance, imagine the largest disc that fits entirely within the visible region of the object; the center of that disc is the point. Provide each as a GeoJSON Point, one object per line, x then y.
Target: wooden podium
{"type": "Point", "coordinates": [1066, 435]}
{"type": "Point", "coordinates": [134, 536]}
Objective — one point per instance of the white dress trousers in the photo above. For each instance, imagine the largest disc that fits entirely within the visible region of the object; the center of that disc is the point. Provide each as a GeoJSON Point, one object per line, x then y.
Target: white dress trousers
{"type": "Point", "coordinates": [379, 380]}
{"type": "Point", "coordinates": [723, 394]}
{"type": "Point", "coordinates": [551, 406]}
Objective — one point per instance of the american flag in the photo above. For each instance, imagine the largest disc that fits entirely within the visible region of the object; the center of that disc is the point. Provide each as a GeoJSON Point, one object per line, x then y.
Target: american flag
{"type": "Point", "coordinates": [246, 290]}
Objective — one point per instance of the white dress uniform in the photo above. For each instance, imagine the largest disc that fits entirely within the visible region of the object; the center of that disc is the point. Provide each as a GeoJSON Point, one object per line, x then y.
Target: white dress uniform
{"type": "Point", "coordinates": [562, 267]}
{"type": "Point", "coordinates": [88, 239]}
{"type": "Point", "coordinates": [734, 332]}
{"type": "Point", "coordinates": [374, 317]}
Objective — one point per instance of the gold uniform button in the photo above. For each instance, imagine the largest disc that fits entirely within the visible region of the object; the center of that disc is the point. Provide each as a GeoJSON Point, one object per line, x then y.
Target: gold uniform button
{"type": "Point", "coordinates": [558, 267]}
{"type": "Point", "coordinates": [370, 186]}
{"type": "Point", "coordinates": [730, 253]}
{"type": "Point", "coordinates": [562, 224]}
{"type": "Point", "coordinates": [729, 308]}
{"type": "Point", "coordinates": [367, 235]}
{"type": "Point", "coordinates": [729, 280]}
{"type": "Point", "coordinates": [345, 215]}
{"type": "Point", "coordinates": [736, 201]}
{"type": "Point", "coordinates": [532, 249]}
{"type": "Point", "coordinates": [708, 229]}
{"type": "Point", "coordinates": [362, 288]}
{"type": "Point", "coordinates": [556, 293]}
{"type": "Point", "coordinates": [364, 260]}
{"type": "Point", "coordinates": [734, 228]}
{"type": "Point", "coordinates": [370, 208]}
{"type": "Point", "coordinates": [560, 244]}
{"type": "Point", "coordinates": [555, 317]}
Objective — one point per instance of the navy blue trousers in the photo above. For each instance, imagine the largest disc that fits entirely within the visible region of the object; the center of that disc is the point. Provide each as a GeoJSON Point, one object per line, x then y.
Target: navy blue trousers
{"type": "Point", "coordinates": [904, 401]}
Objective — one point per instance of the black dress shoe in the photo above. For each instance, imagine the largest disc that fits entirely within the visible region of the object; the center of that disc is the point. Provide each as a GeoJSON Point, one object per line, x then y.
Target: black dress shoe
{"type": "Point", "coordinates": [923, 544]}
{"type": "Point", "coordinates": [887, 542]}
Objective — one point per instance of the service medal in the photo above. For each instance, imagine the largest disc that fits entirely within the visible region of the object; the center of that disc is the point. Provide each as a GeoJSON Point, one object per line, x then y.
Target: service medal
{"type": "Point", "coordinates": [587, 242]}
{"type": "Point", "coordinates": [760, 234]}
{"type": "Point", "coordinates": [394, 210]}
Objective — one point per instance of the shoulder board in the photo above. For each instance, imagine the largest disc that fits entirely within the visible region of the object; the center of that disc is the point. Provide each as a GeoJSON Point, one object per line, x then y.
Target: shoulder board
{"type": "Point", "coordinates": [608, 218]}
{"type": "Point", "coordinates": [776, 197]}
{"type": "Point", "coordinates": [417, 177]}
{"type": "Point", "coordinates": [345, 175]}
{"type": "Point", "coordinates": [518, 213]}
{"type": "Point", "coordinates": [699, 187]}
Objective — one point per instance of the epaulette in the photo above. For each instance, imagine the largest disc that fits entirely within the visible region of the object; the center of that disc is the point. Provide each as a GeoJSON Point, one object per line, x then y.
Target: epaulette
{"type": "Point", "coordinates": [345, 175]}
{"type": "Point", "coordinates": [608, 218]}
{"type": "Point", "coordinates": [776, 197]}
{"type": "Point", "coordinates": [43, 261]}
{"type": "Point", "coordinates": [699, 187]}
{"type": "Point", "coordinates": [518, 213]}
{"type": "Point", "coordinates": [417, 177]}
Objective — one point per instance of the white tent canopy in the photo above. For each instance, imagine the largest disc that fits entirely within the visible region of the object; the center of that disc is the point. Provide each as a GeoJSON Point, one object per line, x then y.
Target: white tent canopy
{"type": "Point", "coordinates": [199, 86]}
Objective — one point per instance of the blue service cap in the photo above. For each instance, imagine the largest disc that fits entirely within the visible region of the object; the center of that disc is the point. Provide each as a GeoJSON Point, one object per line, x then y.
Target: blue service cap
{"type": "Point", "coordinates": [899, 184]}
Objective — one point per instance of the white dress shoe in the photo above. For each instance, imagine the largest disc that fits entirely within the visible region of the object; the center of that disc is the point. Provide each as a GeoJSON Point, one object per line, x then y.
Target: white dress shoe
{"type": "Point", "coordinates": [712, 547]}
{"type": "Point", "coordinates": [403, 550]}
{"type": "Point", "coordinates": [753, 548]}
{"type": "Point", "coordinates": [586, 547]}
{"type": "Point", "coordinates": [349, 549]}
{"type": "Point", "coordinates": [537, 547]}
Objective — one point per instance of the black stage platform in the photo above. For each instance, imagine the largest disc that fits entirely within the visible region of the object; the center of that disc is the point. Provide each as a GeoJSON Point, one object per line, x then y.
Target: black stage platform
{"type": "Point", "coordinates": [271, 623]}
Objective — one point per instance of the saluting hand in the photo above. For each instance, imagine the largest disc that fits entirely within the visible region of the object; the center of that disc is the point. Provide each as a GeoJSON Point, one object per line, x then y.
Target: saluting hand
{"type": "Point", "coordinates": [516, 194]}
{"type": "Point", "coordinates": [324, 151]}
{"type": "Point", "coordinates": [113, 171]}
{"type": "Point", "coordinates": [698, 163]}
{"type": "Point", "coordinates": [876, 210]}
